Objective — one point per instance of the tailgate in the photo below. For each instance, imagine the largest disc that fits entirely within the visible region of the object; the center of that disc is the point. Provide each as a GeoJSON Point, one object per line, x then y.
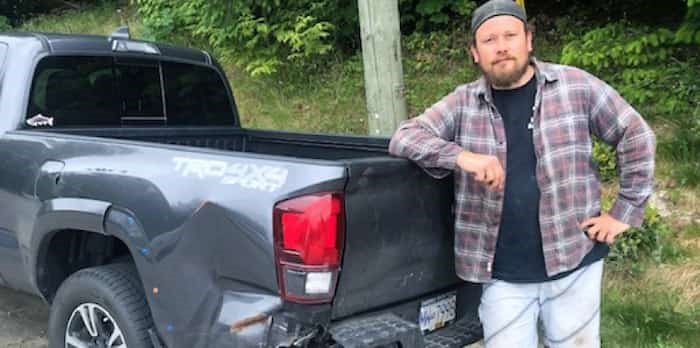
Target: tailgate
{"type": "Point", "coordinates": [399, 236]}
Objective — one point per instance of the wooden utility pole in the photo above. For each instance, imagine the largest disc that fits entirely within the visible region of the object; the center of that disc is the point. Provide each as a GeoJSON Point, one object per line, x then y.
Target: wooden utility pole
{"type": "Point", "coordinates": [381, 53]}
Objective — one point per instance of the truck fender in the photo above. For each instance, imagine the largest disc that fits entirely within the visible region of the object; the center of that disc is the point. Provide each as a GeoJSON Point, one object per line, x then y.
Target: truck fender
{"type": "Point", "coordinates": [56, 215]}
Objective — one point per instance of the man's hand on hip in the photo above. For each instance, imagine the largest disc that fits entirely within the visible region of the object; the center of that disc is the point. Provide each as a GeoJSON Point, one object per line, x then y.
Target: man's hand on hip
{"type": "Point", "coordinates": [486, 169]}
{"type": "Point", "coordinates": [604, 228]}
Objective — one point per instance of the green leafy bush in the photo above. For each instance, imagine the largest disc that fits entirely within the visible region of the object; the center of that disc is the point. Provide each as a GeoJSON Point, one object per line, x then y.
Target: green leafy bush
{"type": "Point", "coordinates": [655, 69]}
{"type": "Point", "coordinates": [605, 158]}
{"type": "Point", "coordinates": [268, 36]}
{"type": "Point", "coordinates": [433, 52]}
{"type": "Point", "coordinates": [5, 24]}
{"type": "Point", "coordinates": [14, 10]}
{"type": "Point", "coordinates": [601, 12]}
{"type": "Point", "coordinates": [689, 32]}
{"type": "Point", "coordinates": [17, 10]}
{"type": "Point", "coordinates": [428, 15]}
{"type": "Point", "coordinates": [653, 239]}
{"type": "Point", "coordinates": [257, 35]}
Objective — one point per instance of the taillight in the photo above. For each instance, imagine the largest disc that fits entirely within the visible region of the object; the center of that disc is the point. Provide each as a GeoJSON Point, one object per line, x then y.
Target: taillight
{"type": "Point", "coordinates": [309, 232]}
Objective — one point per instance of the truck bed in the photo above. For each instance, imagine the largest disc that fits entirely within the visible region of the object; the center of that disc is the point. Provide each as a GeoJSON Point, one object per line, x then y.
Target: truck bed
{"type": "Point", "coordinates": [399, 220]}
{"type": "Point", "coordinates": [299, 145]}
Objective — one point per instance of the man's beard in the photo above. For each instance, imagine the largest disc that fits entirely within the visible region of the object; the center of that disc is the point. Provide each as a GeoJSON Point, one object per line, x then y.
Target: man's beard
{"type": "Point", "coordinates": [505, 79]}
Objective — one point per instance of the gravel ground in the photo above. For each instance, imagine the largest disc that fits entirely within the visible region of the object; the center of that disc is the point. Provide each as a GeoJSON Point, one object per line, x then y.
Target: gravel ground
{"type": "Point", "coordinates": [23, 320]}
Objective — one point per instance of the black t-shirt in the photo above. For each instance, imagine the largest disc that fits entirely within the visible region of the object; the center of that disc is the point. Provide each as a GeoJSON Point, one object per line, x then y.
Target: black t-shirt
{"type": "Point", "coordinates": [519, 257]}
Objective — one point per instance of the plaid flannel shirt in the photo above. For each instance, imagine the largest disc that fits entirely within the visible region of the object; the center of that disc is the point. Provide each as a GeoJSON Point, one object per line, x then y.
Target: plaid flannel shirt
{"type": "Point", "coordinates": [570, 105]}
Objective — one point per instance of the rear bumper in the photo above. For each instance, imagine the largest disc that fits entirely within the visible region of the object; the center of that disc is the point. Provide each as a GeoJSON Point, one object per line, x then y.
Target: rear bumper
{"type": "Point", "coordinates": [388, 330]}
{"type": "Point", "coordinates": [265, 321]}
{"type": "Point", "coordinates": [397, 326]}
{"type": "Point", "coordinates": [384, 330]}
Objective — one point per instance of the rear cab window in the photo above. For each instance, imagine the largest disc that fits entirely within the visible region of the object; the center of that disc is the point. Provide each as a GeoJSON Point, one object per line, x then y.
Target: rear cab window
{"type": "Point", "coordinates": [195, 90]}
{"type": "Point", "coordinates": [103, 91]}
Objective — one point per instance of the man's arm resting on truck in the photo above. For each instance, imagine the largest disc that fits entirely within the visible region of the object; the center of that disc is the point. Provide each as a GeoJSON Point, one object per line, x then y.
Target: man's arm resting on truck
{"type": "Point", "coordinates": [428, 140]}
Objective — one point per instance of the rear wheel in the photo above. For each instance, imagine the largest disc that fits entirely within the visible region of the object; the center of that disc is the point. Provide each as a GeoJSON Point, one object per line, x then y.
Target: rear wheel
{"type": "Point", "coordinates": [100, 307]}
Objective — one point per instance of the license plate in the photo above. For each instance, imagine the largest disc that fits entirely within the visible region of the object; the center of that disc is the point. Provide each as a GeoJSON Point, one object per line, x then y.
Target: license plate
{"type": "Point", "coordinates": [437, 312]}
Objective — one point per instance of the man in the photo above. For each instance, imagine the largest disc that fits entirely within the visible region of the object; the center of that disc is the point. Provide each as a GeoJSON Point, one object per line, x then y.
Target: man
{"type": "Point", "coordinates": [528, 223]}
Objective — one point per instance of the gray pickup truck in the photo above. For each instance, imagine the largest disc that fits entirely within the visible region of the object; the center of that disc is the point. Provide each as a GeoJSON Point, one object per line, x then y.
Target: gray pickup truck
{"type": "Point", "coordinates": [135, 205]}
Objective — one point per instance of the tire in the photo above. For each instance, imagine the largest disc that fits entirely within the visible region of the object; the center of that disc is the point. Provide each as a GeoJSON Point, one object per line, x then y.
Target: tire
{"type": "Point", "coordinates": [112, 298]}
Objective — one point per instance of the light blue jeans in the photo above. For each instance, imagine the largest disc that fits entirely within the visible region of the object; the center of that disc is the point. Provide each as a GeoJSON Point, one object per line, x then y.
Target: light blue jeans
{"type": "Point", "coordinates": [567, 309]}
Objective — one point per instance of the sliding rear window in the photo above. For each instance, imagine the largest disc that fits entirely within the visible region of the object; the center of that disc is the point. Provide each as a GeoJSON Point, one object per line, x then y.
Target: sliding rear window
{"type": "Point", "coordinates": [81, 91]}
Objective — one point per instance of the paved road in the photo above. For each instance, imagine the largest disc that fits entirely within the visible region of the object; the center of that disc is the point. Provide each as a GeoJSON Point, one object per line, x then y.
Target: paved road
{"type": "Point", "coordinates": [23, 320]}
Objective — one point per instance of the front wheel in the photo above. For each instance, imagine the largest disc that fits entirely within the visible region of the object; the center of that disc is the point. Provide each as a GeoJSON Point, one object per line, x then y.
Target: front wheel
{"type": "Point", "coordinates": [101, 307]}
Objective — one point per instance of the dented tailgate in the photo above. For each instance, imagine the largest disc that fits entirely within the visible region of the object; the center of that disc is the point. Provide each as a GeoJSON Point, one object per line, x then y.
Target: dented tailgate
{"type": "Point", "coordinates": [399, 236]}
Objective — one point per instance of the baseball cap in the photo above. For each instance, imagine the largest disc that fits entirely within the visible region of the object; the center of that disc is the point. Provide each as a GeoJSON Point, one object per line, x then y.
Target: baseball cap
{"type": "Point", "coordinates": [494, 8]}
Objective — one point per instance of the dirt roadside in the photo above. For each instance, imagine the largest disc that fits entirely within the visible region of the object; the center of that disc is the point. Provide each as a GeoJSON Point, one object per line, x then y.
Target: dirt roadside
{"type": "Point", "coordinates": [23, 320]}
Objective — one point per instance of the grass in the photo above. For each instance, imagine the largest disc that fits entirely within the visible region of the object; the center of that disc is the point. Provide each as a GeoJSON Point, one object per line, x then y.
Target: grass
{"type": "Point", "coordinates": [652, 309]}
{"type": "Point", "coordinates": [98, 20]}
{"type": "Point", "coordinates": [657, 304]}
{"type": "Point", "coordinates": [693, 230]}
{"type": "Point", "coordinates": [647, 304]}
{"type": "Point", "coordinates": [332, 103]}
